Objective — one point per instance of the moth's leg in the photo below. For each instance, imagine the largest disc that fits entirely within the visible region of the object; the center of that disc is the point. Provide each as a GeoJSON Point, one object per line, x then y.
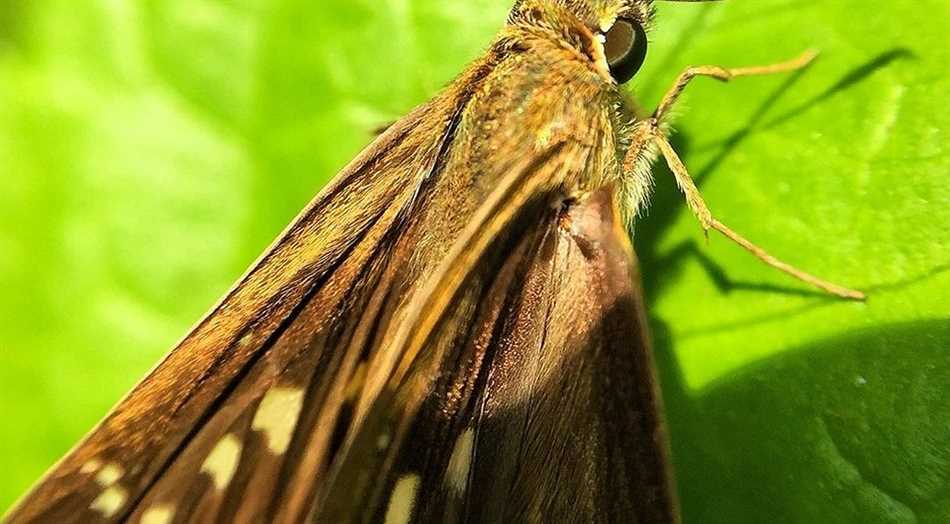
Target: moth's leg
{"type": "Point", "coordinates": [726, 74]}
{"type": "Point", "coordinates": [693, 198]}
{"type": "Point", "coordinates": [698, 206]}
{"type": "Point", "coordinates": [685, 182]}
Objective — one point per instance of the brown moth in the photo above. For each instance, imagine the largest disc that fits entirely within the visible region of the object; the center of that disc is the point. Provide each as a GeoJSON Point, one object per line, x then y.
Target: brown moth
{"type": "Point", "coordinates": [452, 331]}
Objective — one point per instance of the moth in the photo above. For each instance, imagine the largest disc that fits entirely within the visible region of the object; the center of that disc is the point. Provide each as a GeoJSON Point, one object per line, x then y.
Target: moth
{"type": "Point", "coordinates": [452, 331]}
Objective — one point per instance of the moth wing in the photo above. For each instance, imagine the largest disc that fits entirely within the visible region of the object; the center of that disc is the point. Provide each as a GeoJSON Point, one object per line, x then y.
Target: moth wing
{"type": "Point", "coordinates": [570, 422]}
{"type": "Point", "coordinates": [310, 390]}
{"type": "Point", "coordinates": [231, 392]}
{"type": "Point", "coordinates": [542, 403]}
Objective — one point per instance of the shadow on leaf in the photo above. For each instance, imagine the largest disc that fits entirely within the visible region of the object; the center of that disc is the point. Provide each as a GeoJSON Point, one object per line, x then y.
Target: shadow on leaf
{"type": "Point", "coordinates": [849, 429]}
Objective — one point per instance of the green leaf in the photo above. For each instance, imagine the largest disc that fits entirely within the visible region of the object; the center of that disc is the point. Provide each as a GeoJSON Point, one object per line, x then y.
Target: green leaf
{"type": "Point", "coordinates": [786, 406]}
{"type": "Point", "coordinates": [150, 151]}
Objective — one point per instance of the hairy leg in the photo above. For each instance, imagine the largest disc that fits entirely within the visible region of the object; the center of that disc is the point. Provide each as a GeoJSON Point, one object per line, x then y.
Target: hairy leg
{"type": "Point", "coordinates": [653, 133]}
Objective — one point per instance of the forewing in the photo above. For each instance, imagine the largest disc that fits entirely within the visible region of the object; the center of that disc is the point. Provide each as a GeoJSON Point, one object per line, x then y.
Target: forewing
{"type": "Point", "coordinates": [383, 331]}
{"type": "Point", "coordinates": [267, 356]}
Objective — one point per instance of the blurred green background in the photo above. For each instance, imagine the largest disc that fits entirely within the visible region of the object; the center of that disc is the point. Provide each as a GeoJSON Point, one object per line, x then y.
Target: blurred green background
{"type": "Point", "coordinates": [149, 151]}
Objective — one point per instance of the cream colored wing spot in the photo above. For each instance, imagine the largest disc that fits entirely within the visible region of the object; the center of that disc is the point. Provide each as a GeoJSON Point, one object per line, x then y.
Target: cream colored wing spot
{"type": "Point", "coordinates": [160, 514]}
{"type": "Point", "coordinates": [109, 474]}
{"type": "Point", "coordinates": [222, 462]}
{"type": "Point", "coordinates": [383, 441]}
{"type": "Point", "coordinates": [246, 340]}
{"type": "Point", "coordinates": [110, 501]}
{"type": "Point", "coordinates": [276, 417]}
{"type": "Point", "coordinates": [403, 499]}
{"type": "Point", "coordinates": [91, 466]}
{"type": "Point", "coordinates": [460, 462]}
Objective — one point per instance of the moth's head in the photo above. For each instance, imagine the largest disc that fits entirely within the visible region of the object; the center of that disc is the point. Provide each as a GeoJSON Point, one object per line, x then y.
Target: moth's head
{"type": "Point", "coordinates": [612, 33]}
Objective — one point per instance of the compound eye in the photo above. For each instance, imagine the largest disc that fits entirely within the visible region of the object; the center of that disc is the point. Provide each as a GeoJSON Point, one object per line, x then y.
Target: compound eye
{"type": "Point", "coordinates": [625, 47]}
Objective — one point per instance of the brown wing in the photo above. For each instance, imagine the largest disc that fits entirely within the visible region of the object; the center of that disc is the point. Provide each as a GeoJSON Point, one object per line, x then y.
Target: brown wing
{"type": "Point", "coordinates": [568, 425]}
{"type": "Point", "coordinates": [267, 347]}
{"type": "Point", "coordinates": [541, 406]}
{"type": "Point", "coordinates": [257, 413]}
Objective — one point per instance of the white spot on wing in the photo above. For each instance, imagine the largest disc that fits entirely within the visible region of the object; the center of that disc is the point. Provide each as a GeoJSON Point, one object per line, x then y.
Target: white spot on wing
{"type": "Point", "coordinates": [161, 514]}
{"type": "Point", "coordinates": [109, 474]}
{"type": "Point", "coordinates": [222, 462]}
{"type": "Point", "coordinates": [90, 466]}
{"type": "Point", "coordinates": [456, 473]}
{"type": "Point", "coordinates": [277, 416]}
{"type": "Point", "coordinates": [110, 501]}
{"type": "Point", "coordinates": [403, 499]}
{"type": "Point", "coordinates": [383, 441]}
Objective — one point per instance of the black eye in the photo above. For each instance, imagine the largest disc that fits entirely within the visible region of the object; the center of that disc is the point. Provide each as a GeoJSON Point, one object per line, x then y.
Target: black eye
{"type": "Point", "coordinates": [625, 46]}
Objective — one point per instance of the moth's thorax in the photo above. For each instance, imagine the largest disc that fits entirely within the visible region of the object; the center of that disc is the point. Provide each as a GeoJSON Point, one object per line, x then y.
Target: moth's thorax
{"type": "Point", "coordinates": [542, 91]}
{"type": "Point", "coordinates": [570, 33]}
{"type": "Point", "coordinates": [566, 37]}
